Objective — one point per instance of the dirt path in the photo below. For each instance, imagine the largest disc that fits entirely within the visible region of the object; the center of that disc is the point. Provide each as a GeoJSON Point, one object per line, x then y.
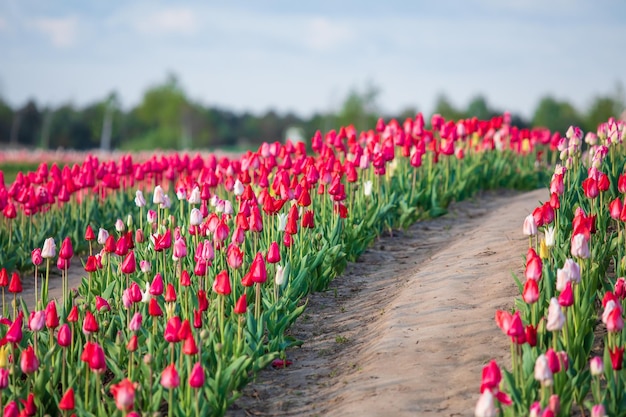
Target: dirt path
{"type": "Point", "coordinates": [406, 330]}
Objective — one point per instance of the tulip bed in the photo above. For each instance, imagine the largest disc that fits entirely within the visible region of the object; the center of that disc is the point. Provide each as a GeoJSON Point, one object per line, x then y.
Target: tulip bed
{"type": "Point", "coordinates": [193, 268]}
{"type": "Point", "coordinates": [567, 339]}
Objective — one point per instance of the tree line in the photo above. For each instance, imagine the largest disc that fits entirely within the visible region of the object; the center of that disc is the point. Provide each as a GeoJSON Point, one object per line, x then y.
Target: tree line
{"type": "Point", "coordinates": [166, 118]}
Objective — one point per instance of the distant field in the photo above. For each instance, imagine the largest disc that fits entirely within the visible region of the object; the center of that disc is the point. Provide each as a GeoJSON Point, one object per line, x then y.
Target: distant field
{"type": "Point", "coordinates": [10, 169]}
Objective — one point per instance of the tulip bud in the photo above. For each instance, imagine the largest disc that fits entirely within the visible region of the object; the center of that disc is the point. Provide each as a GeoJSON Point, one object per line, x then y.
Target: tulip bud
{"type": "Point", "coordinates": [49, 249]}
{"type": "Point", "coordinates": [170, 378]}
{"type": "Point", "coordinates": [140, 201]}
{"type": "Point", "coordinates": [119, 226]}
{"type": "Point", "coordinates": [36, 257]}
{"type": "Point", "coordinates": [103, 235]}
{"type": "Point", "coordinates": [28, 361]}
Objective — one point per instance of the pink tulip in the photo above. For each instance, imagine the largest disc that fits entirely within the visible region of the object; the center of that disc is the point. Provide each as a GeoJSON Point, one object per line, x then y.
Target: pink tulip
{"type": "Point", "coordinates": [531, 291]}
{"type": "Point", "coordinates": [28, 361]}
{"type": "Point", "coordinates": [170, 378]}
{"type": "Point", "coordinates": [196, 378]}
{"type": "Point", "coordinates": [124, 394]}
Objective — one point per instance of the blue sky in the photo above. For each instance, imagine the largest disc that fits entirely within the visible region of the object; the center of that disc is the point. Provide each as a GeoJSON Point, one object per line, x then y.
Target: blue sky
{"type": "Point", "coordinates": [304, 56]}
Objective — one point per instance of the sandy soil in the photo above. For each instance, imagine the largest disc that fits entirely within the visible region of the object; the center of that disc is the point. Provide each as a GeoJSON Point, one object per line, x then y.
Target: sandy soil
{"type": "Point", "coordinates": [407, 329]}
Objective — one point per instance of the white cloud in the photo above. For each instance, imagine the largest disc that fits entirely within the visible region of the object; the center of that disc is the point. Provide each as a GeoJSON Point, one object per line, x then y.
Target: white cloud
{"type": "Point", "coordinates": [63, 32]}
{"type": "Point", "coordinates": [178, 21]}
{"type": "Point", "coordinates": [323, 34]}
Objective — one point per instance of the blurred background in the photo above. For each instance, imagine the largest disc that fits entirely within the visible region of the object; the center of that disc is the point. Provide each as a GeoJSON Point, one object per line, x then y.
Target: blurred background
{"type": "Point", "coordinates": [137, 75]}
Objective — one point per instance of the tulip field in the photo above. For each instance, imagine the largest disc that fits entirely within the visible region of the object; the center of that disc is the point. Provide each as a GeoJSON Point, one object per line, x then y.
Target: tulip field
{"type": "Point", "coordinates": [193, 267]}
{"type": "Point", "coordinates": [566, 332]}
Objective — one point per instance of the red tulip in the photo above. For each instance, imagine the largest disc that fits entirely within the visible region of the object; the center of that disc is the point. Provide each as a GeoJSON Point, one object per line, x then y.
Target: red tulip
{"type": "Point", "coordinates": [162, 242]}
{"type": "Point", "coordinates": [185, 281]}
{"type": "Point", "coordinates": [566, 298]}
{"type": "Point", "coordinates": [221, 285]}
{"type": "Point", "coordinates": [614, 320]}
{"type": "Point", "coordinates": [102, 304]}
{"type": "Point", "coordinates": [90, 324]}
{"type": "Point", "coordinates": [185, 330]}
{"type": "Point", "coordinates": [170, 378]}
{"type": "Point", "coordinates": [603, 182]}
{"type": "Point", "coordinates": [129, 264]}
{"type": "Point", "coordinates": [63, 263]}
{"type": "Point", "coordinates": [30, 409]}
{"type": "Point", "coordinates": [273, 253]}
{"type": "Point", "coordinates": [92, 264]}
{"type": "Point", "coordinates": [67, 401]}
{"type": "Point", "coordinates": [531, 335]}
{"type": "Point", "coordinates": [620, 288]}
{"type": "Point", "coordinates": [121, 247]}
{"type": "Point", "coordinates": [110, 245]}
{"type": "Point", "coordinates": [64, 337]}
{"type": "Point", "coordinates": [554, 201]}
{"type": "Point", "coordinates": [615, 208]}
{"type": "Point", "coordinates": [553, 361]}
{"type": "Point", "coordinates": [189, 346]}
{"type": "Point", "coordinates": [156, 288]}
{"type": "Point", "coordinates": [28, 361]}
{"type": "Point", "coordinates": [4, 277]}
{"type": "Point", "coordinates": [97, 361]}
{"type": "Point", "coordinates": [516, 329]}
{"type": "Point", "coordinates": [203, 302]}
{"type": "Point", "coordinates": [52, 318]}
{"type": "Point", "coordinates": [154, 310]}
{"type": "Point", "coordinates": [9, 211]}
{"type": "Point", "coordinates": [341, 209]}
{"type": "Point", "coordinates": [124, 394]}
{"type": "Point", "coordinates": [258, 270]}
{"type": "Point", "coordinates": [200, 268]}
{"type": "Point", "coordinates": [197, 319]}
{"type": "Point", "coordinates": [305, 198]}
{"type": "Point", "coordinates": [241, 306]}
{"type": "Point", "coordinates": [590, 187]}
{"type": "Point", "coordinates": [621, 183]}
{"type": "Point", "coordinates": [15, 286]}
{"type": "Point", "coordinates": [196, 378]}
{"type": "Point", "coordinates": [11, 410]}
{"type": "Point", "coordinates": [491, 377]}
{"type": "Point", "coordinates": [617, 357]}
{"type": "Point", "coordinates": [170, 293]}
{"type": "Point", "coordinates": [171, 330]}
{"type": "Point", "coordinates": [308, 220]}
{"type": "Point", "coordinates": [72, 317]}
{"type": "Point", "coordinates": [66, 251]}
{"type": "Point", "coordinates": [134, 293]}
{"type": "Point", "coordinates": [292, 221]}
{"type": "Point", "coordinates": [14, 333]}
{"type": "Point", "coordinates": [89, 233]}
{"type": "Point", "coordinates": [132, 344]}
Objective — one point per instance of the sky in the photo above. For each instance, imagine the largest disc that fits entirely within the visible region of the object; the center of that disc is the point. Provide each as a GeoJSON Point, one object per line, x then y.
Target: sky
{"type": "Point", "coordinates": [306, 56]}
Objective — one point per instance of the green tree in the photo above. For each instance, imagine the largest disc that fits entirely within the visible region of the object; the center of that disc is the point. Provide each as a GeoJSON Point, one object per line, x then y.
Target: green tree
{"type": "Point", "coordinates": [360, 108]}
{"type": "Point", "coordinates": [446, 109]}
{"type": "Point", "coordinates": [601, 109]}
{"type": "Point", "coordinates": [6, 117]}
{"type": "Point", "coordinates": [556, 115]}
{"type": "Point", "coordinates": [162, 115]}
{"type": "Point", "coordinates": [479, 108]}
